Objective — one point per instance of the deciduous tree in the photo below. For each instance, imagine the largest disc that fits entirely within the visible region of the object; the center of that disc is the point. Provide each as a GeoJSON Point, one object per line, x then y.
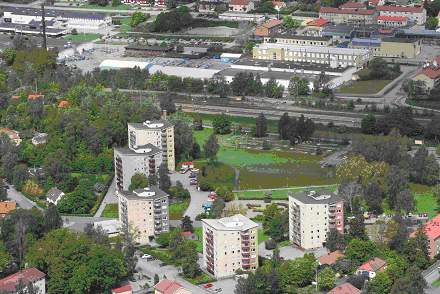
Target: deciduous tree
{"type": "Point", "coordinates": [283, 126]}
{"type": "Point", "coordinates": [211, 148]}
{"type": "Point", "coordinates": [186, 224]}
{"type": "Point", "coordinates": [222, 124]}
{"type": "Point", "coordinates": [359, 250]}
{"type": "Point", "coordinates": [138, 180]}
{"type": "Point", "coordinates": [368, 124]}
{"type": "Point", "coordinates": [335, 241]}
{"type": "Point", "coordinates": [326, 279]}
{"type": "Point", "coordinates": [260, 126]}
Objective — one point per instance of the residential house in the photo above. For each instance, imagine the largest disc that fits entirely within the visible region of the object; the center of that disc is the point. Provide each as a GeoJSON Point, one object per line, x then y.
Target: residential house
{"type": "Point", "coordinates": [279, 5]}
{"type": "Point", "coordinates": [432, 230]}
{"type": "Point", "coordinates": [430, 74]}
{"type": "Point", "coordinates": [64, 104]}
{"type": "Point", "coordinates": [54, 195]}
{"type": "Point", "coordinates": [353, 5]}
{"type": "Point", "coordinates": [392, 21]}
{"type": "Point", "coordinates": [241, 5]}
{"type": "Point", "coordinates": [346, 288]}
{"type": "Point", "coordinates": [412, 13]}
{"type": "Point", "coordinates": [123, 290]}
{"type": "Point", "coordinates": [13, 135]}
{"type": "Point", "coordinates": [316, 26]}
{"type": "Point", "coordinates": [270, 28]}
{"type": "Point", "coordinates": [35, 96]}
{"type": "Point", "coordinates": [372, 267]}
{"type": "Point", "coordinates": [111, 227]}
{"type": "Point", "coordinates": [6, 207]}
{"type": "Point", "coordinates": [330, 258]}
{"type": "Point", "coordinates": [31, 275]}
{"type": "Point", "coordinates": [99, 187]}
{"type": "Point", "coordinates": [190, 236]}
{"type": "Point", "coordinates": [312, 215]}
{"type": "Point", "coordinates": [210, 5]}
{"type": "Point", "coordinates": [148, 208]}
{"type": "Point", "coordinates": [229, 244]}
{"type": "Point", "coordinates": [170, 287]}
{"type": "Point", "coordinates": [41, 138]}
{"type": "Point", "coordinates": [349, 16]}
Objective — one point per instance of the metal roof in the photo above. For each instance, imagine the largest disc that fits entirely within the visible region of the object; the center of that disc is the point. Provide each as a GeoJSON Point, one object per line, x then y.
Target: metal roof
{"type": "Point", "coordinates": [79, 15]}
{"type": "Point", "coordinates": [115, 64]}
{"type": "Point", "coordinates": [33, 11]}
{"type": "Point", "coordinates": [313, 49]}
{"type": "Point", "coordinates": [184, 72]}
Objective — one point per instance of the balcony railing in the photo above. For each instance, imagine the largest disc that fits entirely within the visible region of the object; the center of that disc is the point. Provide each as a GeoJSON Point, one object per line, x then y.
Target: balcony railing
{"type": "Point", "coordinates": [245, 240]}
{"type": "Point", "coordinates": [332, 220]}
{"type": "Point", "coordinates": [247, 247]}
{"type": "Point", "coordinates": [157, 232]}
{"type": "Point", "coordinates": [152, 166]}
{"type": "Point", "coordinates": [152, 171]}
{"type": "Point", "coordinates": [157, 217]}
{"type": "Point", "coordinates": [152, 160]}
{"type": "Point", "coordinates": [157, 211]}
{"type": "Point", "coordinates": [209, 241]}
{"type": "Point", "coordinates": [209, 270]}
{"type": "Point", "coordinates": [209, 234]}
{"type": "Point", "coordinates": [331, 226]}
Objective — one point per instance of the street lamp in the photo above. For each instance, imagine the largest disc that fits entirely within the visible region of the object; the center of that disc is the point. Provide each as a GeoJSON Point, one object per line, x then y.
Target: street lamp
{"type": "Point", "coordinates": [287, 182]}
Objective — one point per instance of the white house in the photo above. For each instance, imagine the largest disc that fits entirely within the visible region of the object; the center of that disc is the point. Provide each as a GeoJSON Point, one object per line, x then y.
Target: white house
{"type": "Point", "coordinates": [54, 195]}
{"type": "Point", "coordinates": [372, 267]}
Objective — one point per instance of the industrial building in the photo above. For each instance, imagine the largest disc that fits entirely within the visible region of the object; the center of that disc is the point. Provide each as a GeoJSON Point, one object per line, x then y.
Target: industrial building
{"type": "Point", "coordinates": [147, 50]}
{"type": "Point", "coordinates": [350, 16]}
{"type": "Point", "coordinates": [293, 39]}
{"type": "Point", "coordinates": [184, 72]}
{"type": "Point", "coordinates": [413, 13]}
{"type": "Point", "coordinates": [389, 47]}
{"type": "Point", "coordinates": [312, 215]}
{"type": "Point", "coordinates": [323, 55]}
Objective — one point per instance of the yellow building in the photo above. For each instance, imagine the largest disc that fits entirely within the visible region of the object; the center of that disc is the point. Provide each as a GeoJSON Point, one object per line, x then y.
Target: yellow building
{"type": "Point", "coordinates": [349, 16]}
{"type": "Point", "coordinates": [310, 54]}
{"type": "Point", "coordinates": [292, 39]}
{"type": "Point", "coordinates": [230, 243]}
{"type": "Point", "coordinates": [430, 74]}
{"type": "Point", "coordinates": [389, 47]}
{"type": "Point", "coordinates": [147, 208]}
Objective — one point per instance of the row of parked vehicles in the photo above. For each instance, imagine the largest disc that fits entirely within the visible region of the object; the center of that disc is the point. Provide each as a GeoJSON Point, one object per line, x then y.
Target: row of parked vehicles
{"type": "Point", "coordinates": [214, 42]}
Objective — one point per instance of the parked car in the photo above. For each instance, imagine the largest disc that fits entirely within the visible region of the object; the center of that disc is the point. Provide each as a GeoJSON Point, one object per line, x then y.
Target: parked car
{"type": "Point", "coordinates": [183, 170]}
{"type": "Point", "coordinates": [132, 279]}
{"type": "Point", "coordinates": [209, 285]}
{"type": "Point", "coordinates": [6, 187]}
{"type": "Point", "coordinates": [210, 200]}
{"type": "Point", "coordinates": [218, 290]}
{"type": "Point", "coordinates": [193, 175]}
{"type": "Point", "coordinates": [195, 170]}
{"type": "Point", "coordinates": [146, 256]}
{"type": "Point", "coordinates": [193, 182]}
{"type": "Point", "coordinates": [163, 264]}
{"type": "Point", "coordinates": [212, 195]}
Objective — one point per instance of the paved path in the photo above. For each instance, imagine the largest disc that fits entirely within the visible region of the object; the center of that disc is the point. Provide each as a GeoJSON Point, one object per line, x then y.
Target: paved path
{"type": "Point", "coordinates": [110, 197]}
{"type": "Point", "coordinates": [237, 174]}
{"type": "Point", "coordinates": [289, 252]}
{"type": "Point", "coordinates": [22, 200]}
{"type": "Point", "coordinates": [401, 101]}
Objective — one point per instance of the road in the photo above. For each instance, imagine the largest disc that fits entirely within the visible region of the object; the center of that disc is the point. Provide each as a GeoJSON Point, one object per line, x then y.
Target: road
{"type": "Point", "coordinates": [22, 201]}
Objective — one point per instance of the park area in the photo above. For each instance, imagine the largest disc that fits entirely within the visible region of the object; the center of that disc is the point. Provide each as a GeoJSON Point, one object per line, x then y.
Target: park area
{"type": "Point", "coordinates": [260, 169]}
{"type": "Point", "coordinates": [280, 194]}
{"type": "Point", "coordinates": [81, 37]}
{"type": "Point", "coordinates": [362, 87]}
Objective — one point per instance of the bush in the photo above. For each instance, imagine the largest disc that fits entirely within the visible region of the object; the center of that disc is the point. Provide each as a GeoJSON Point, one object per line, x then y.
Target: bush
{"type": "Point", "coordinates": [205, 185]}
{"type": "Point", "coordinates": [266, 145]}
{"type": "Point", "coordinates": [74, 32]}
{"type": "Point", "coordinates": [200, 216]}
{"type": "Point", "coordinates": [283, 205]}
{"type": "Point", "coordinates": [239, 272]}
{"type": "Point", "coordinates": [270, 244]}
{"type": "Point", "coordinates": [357, 280]}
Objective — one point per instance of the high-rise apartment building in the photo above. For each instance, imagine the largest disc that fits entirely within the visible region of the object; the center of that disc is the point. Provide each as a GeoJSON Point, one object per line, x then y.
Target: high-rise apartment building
{"type": "Point", "coordinates": [312, 215]}
{"type": "Point", "coordinates": [230, 243]}
{"type": "Point", "coordinates": [148, 208]}
{"type": "Point", "coordinates": [150, 144]}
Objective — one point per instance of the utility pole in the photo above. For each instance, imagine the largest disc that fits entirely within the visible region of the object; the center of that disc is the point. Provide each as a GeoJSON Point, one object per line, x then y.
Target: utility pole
{"type": "Point", "coordinates": [44, 27]}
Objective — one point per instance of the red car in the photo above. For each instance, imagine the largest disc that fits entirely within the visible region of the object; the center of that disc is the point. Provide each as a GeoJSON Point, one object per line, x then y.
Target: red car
{"type": "Point", "coordinates": [208, 285]}
{"type": "Point", "coordinates": [193, 182]}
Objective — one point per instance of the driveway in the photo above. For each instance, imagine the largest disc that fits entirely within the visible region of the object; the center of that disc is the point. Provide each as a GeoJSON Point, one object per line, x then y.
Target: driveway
{"type": "Point", "coordinates": [290, 252]}
{"type": "Point", "coordinates": [198, 198]}
{"type": "Point", "coordinates": [110, 197]}
{"type": "Point", "coordinates": [22, 201]}
{"type": "Point", "coordinates": [227, 286]}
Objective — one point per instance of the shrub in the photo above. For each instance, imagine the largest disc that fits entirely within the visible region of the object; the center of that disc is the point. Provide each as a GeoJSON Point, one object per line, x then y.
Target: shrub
{"type": "Point", "coordinates": [201, 215]}
{"type": "Point", "coordinates": [319, 151]}
{"type": "Point", "coordinates": [283, 205]}
{"type": "Point", "coordinates": [266, 145]}
{"type": "Point", "coordinates": [239, 272]}
{"type": "Point", "coordinates": [270, 244]}
{"type": "Point", "coordinates": [205, 185]}
{"type": "Point", "coordinates": [74, 32]}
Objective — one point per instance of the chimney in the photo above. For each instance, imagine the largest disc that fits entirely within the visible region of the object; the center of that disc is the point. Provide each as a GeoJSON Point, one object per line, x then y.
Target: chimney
{"type": "Point", "coordinates": [165, 114]}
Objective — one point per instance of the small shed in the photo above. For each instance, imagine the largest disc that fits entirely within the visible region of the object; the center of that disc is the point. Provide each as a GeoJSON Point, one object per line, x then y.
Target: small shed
{"type": "Point", "coordinates": [190, 237]}
{"type": "Point", "coordinates": [188, 164]}
{"type": "Point", "coordinates": [99, 187]}
{"type": "Point", "coordinates": [123, 290]}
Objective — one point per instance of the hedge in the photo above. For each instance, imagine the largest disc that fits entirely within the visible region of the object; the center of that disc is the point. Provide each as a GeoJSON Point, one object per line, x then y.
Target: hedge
{"type": "Point", "coordinates": [258, 210]}
{"type": "Point", "coordinates": [283, 204]}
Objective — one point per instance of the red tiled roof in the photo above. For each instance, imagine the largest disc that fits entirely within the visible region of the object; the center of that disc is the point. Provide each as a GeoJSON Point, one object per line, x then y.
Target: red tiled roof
{"type": "Point", "coordinates": [398, 8]}
{"type": "Point", "coordinates": [345, 11]}
{"type": "Point", "coordinates": [277, 3]}
{"type": "Point", "coordinates": [374, 2]}
{"type": "Point", "coordinates": [186, 233]}
{"type": "Point", "coordinates": [64, 104]}
{"type": "Point", "coordinates": [331, 257]}
{"type": "Point", "coordinates": [35, 96]}
{"type": "Point", "coordinates": [188, 163]}
{"type": "Point", "coordinates": [345, 289]}
{"type": "Point", "coordinates": [432, 74]}
{"type": "Point", "coordinates": [16, 97]}
{"type": "Point", "coordinates": [393, 18]}
{"type": "Point", "coordinates": [123, 289]}
{"type": "Point", "coordinates": [272, 23]}
{"type": "Point", "coordinates": [239, 2]}
{"type": "Point", "coordinates": [385, 31]}
{"type": "Point", "coordinates": [432, 230]}
{"type": "Point", "coordinates": [54, 194]}
{"type": "Point", "coordinates": [374, 265]}
{"type": "Point", "coordinates": [7, 206]}
{"type": "Point", "coordinates": [27, 275]}
{"type": "Point", "coordinates": [352, 5]}
{"type": "Point", "coordinates": [167, 287]}
{"type": "Point", "coordinates": [318, 22]}
{"type": "Point", "coordinates": [10, 133]}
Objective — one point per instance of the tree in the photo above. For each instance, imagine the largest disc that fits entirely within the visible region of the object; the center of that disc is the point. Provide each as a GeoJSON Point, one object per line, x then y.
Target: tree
{"type": "Point", "coordinates": [431, 23]}
{"type": "Point", "coordinates": [368, 124]}
{"type": "Point", "coordinates": [211, 148]}
{"type": "Point", "coordinates": [249, 47]}
{"type": "Point", "coordinates": [359, 250]}
{"type": "Point", "coordinates": [398, 234]}
{"type": "Point", "coordinates": [52, 219]}
{"type": "Point", "coordinates": [422, 242]}
{"type": "Point", "coordinates": [198, 124]}
{"type": "Point", "coordinates": [414, 89]}
{"type": "Point", "coordinates": [268, 214]}
{"type": "Point", "coordinates": [350, 191]}
{"type": "Point", "coordinates": [56, 164]}
{"type": "Point", "coordinates": [374, 196]}
{"type": "Point", "coordinates": [98, 234]}
{"type": "Point", "coordinates": [259, 283]}
{"type": "Point", "coordinates": [138, 181]}
{"type": "Point", "coordinates": [3, 194]}
{"type": "Point", "coordinates": [222, 124]}
{"type": "Point", "coordinates": [278, 225]}
{"type": "Point", "coordinates": [381, 283]}
{"type": "Point", "coordinates": [290, 23]}
{"type": "Point", "coordinates": [167, 103]}
{"type": "Point", "coordinates": [406, 201]}
{"type": "Point", "coordinates": [238, 83]}
{"type": "Point", "coordinates": [298, 87]}
{"type": "Point", "coordinates": [357, 280]}
{"type": "Point", "coordinates": [260, 126]}
{"type": "Point", "coordinates": [152, 180]}
{"type": "Point", "coordinates": [378, 68]}
{"type": "Point", "coordinates": [357, 228]}
{"type": "Point", "coordinates": [413, 282]}
{"type": "Point", "coordinates": [326, 279]}
{"type": "Point", "coordinates": [233, 209]}
{"type": "Point", "coordinates": [433, 128]}
{"type": "Point", "coordinates": [335, 241]}
{"type": "Point", "coordinates": [196, 152]}
{"type": "Point", "coordinates": [283, 126]}
{"type": "Point", "coordinates": [156, 279]}
{"type": "Point", "coordinates": [163, 239]}
{"type": "Point", "coordinates": [270, 88]}
{"type": "Point", "coordinates": [164, 178]}
{"type": "Point", "coordinates": [137, 18]}
{"type": "Point", "coordinates": [321, 84]}
{"type": "Point", "coordinates": [186, 224]}
{"type": "Point", "coordinates": [116, 3]}
{"type": "Point", "coordinates": [79, 201]}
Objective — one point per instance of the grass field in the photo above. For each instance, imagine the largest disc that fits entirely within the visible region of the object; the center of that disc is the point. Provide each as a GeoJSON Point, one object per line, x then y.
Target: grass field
{"type": "Point", "coordinates": [111, 210]}
{"type": "Point", "coordinates": [363, 87]}
{"type": "Point", "coordinates": [80, 36]}
{"type": "Point", "coordinates": [436, 283]}
{"type": "Point", "coordinates": [262, 237]}
{"type": "Point", "coordinates": [177, 210]}
{"type": "Point", "coordinates": [202, 278]}
{"type": "Point", "coordinates": [220, 175]}
{"type": "Point", "coordinates": [199, 231]}
{"type": "Point", "coordinates": [279, 194]}
{"type": "Point", "coordinates": [101, 178]}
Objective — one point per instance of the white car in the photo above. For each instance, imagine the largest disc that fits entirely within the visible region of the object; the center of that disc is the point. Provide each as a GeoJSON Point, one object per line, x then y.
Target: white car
{"type": "Point", "coordinates": [146, 256]}
{"type": "Point", "coordinates": [195, 170]}
{"type": "Point", "coordinates": [210, 200]}
{"type": "Point", "coordinates": [268, 256]}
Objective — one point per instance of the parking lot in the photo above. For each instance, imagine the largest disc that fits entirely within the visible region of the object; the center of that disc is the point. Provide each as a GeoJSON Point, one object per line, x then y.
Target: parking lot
{"type": "Point", "coordinates": [226, 286]}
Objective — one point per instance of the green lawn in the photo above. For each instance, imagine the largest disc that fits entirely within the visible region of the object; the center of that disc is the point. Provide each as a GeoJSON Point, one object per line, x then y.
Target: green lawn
{"type": "Point", "coordinates": [220, 175]}
{"type": "Point", "coordinates": [101, 177]}
{"type": "Point", "coordinates": [80, 36]}
{"type": "Point", "coordinates": [111, 210]}
{"type": "Point", "coordinates": [279, 194]}
{"type": "Point", "coordinates": [282, 244]}
{"type": "Point", "coordinates": [202, 278]}
{"type": "Point", "coordinates": [436, 283]}
{"type": "Point", "coordinates": [261, 236]}
{"type": "Point", "coordinates": [363, 87]}
{"type": "Point", "coordinates": [177, 210]}
{"type": "Point", "coordinates": [199, 231]}
{"type": "Point", "coordinates": [426, 202]}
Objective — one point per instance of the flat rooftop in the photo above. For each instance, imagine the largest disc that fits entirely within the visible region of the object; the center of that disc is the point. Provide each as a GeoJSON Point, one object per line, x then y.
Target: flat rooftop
{"type": "Point", "coordinates": [152, 125]}
{"type": "Point", "coordinates": [146, 150]}
{"type": "Point", "coordinates": [288, 65]}
{"type": "Point", "coordinates": [299, 48]}
{"type": "Point", "coordinates": [298, 37]}
{"type": "Point", "coordinates": [144, 194]}
{"type": "Point", "coordinates": [268, 74]}
{"type": "Point", "coordinates": [237, 222]}
{"type": "Point", "coordinates": [320, 197]}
